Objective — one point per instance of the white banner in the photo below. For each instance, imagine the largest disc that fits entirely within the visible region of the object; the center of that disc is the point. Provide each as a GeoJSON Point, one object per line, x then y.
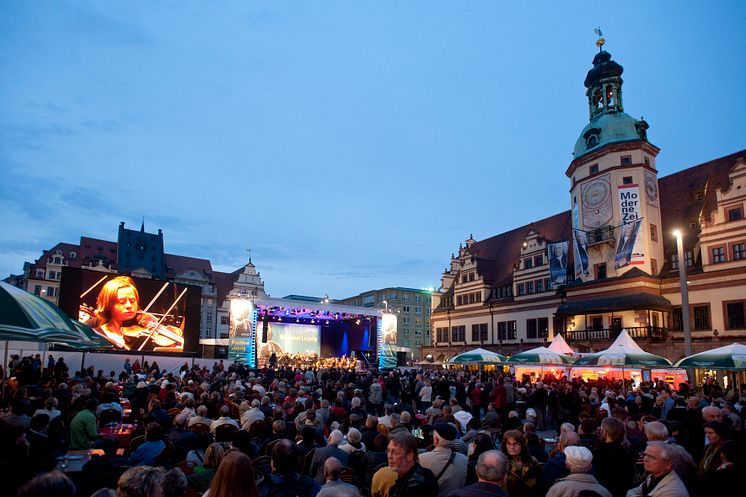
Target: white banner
{"type": "Point", "coordinates": [629, 248]}
{"type": "Point", "coordinates": [580, 246]}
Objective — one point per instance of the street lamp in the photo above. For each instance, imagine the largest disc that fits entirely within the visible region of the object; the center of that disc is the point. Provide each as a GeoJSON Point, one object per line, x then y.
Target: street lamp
{"type": "Point", "coordinates": [386, 306]}
{"type": "Point", "coordinates": [684, 294]}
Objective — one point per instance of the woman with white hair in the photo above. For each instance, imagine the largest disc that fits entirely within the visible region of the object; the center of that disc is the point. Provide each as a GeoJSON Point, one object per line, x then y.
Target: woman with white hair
{"type": "Point", "coordinates": [578, 461]}
{"type": "Point", "coordinates": [354, 442]}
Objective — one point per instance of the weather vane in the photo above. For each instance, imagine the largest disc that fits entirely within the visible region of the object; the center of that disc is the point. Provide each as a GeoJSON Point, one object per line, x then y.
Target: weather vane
{"type": "Point", "coordinates": [249, 251]}
{"type": "Point", "coordinates": [600, 42]}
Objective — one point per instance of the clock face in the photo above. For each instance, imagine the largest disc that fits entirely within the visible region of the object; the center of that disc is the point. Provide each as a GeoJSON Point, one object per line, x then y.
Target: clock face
{"type": "Point", "coordinates": [651, 187]}
{"type": "Point", "coordinates": [596, 197]}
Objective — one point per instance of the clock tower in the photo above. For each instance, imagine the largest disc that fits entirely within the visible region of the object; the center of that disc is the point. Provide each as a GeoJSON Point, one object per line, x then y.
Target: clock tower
{"type": "Point", "coordinates": [613, 184]}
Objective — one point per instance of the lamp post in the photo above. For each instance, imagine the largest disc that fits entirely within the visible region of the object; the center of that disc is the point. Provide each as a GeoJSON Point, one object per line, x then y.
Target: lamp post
{"type": "Point", "coordinates": [684, 301]}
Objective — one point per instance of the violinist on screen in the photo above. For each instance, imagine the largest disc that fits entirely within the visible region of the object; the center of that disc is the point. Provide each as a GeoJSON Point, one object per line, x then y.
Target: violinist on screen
{"type": "Point", "coordinates": [118, 318]}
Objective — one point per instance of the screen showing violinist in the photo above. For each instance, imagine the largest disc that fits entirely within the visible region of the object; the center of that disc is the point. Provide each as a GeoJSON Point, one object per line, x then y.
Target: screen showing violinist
{"type": "Point", "coordinates": [134, 314]}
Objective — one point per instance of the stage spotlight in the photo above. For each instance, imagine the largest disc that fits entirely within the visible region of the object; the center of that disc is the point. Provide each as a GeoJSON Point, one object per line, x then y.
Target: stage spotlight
{"type": "Point", "coordinates": [357, 322]}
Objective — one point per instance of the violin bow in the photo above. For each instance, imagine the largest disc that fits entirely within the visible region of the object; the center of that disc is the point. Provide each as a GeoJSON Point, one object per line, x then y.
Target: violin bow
{"type": "Point", "coordinates": [152, 301]}
{"type": "Point", "coordinates": [158, 324]}
{"type": "Point", "coordinates": [92, 287]}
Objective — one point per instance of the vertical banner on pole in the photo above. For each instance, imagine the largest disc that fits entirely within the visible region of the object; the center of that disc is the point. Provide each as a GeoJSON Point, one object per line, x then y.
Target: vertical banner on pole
{"type": "Point", "coordinates": [242, 332]}
{"type": "Point", "coordinates": [387, 341]}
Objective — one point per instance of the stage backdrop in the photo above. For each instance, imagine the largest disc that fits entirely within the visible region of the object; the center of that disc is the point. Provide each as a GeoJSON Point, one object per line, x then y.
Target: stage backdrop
{"type": "Point", "coordinates": [387, 346]}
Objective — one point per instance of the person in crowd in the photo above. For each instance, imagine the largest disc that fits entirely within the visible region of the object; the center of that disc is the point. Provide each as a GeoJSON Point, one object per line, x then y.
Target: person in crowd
{"type": "Point", "coordinates": [730, 474]}
{"type": "Point", "coordinates": [615, 466]}
{"type": "Point", "coordinates": [141, 481]}
{"type": "Point", "coordinates": [556, 467]}
{"type": "Point", "coordinates": [444, 461]}
{"type": "Point", "coordinates": [321, 454]}
{"type": "Point", "coordinates": [481, 443]}
{"type": "Point", "coordinates": [413, 480]}
{"type": "Point", "coordinates": [716, 434]}
{"type": "Point", "coordinates": [147, 453]}
{"type": "Point", "coordinates": [55, 484]}
{"type": "Point", "coordinates": [84, 427]}
{"type": "Point", "coordinates": [203, 474]}
{"type": "Point", "coordinates": [491, 469]}
{"type": "Point", "coordinates": [524, 471]}
{"type": "Point", "coordinates": [578, 461]}
{"type": "Point", "coordinates": [174, 483]}
{"type": "Point", "coordinates": [661, 480]}
{"type": "Point", "coordinates": [50, 408]}
{"type": "Point", "coordinates": [332, 473]}
{"type": "Point", "coordinates": [285, 474]}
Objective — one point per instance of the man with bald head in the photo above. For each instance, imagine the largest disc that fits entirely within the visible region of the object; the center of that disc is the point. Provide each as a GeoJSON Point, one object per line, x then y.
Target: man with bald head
{"type": "Point", "coordinates": [492, 470]}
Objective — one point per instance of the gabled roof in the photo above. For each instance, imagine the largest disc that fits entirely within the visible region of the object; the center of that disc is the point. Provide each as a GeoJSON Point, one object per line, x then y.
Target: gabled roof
{"type": "Point", "coordinates": [179, 263]}
{"type": "Point", "coordinates": [678, 205]}
{"type": "Point", "coordinates": [495, 256]}
{"type": "Point", "coordinates": [224, 283]}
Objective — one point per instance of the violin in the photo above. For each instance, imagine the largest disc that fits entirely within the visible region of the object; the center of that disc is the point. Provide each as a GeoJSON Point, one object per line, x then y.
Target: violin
{"type": "Point", "coordinates": [144, 331]}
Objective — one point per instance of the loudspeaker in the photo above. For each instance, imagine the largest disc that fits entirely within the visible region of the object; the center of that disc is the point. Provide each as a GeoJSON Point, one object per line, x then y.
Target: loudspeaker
{"type": "Point", "coordinates": [265, 325]}
{"type": "Point", "coordinates": [401, 358]}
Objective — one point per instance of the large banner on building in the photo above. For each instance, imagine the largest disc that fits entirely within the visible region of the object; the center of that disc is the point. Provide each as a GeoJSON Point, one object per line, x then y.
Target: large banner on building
{"type": "Point", "coordinates": [387, 346]}
{"type": "Point", "coordinates": [579, 245]}
{"type": "Point", "coordinates": [557, 255]}
{"type": "Point", "coordinates": [629, 250]}
{"type": "Point", "coordinates": [242, 331]}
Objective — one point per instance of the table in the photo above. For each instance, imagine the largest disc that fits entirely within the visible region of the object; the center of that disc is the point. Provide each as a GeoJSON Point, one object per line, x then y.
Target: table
{"type": "Point", "coordinates": [122, 432]}
{"type": "Point", "coordinates": [76, 459]}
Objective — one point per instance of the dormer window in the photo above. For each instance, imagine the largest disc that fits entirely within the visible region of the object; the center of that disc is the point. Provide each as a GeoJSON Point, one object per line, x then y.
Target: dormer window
{"type": "Point", "coordinates": [73, 255]}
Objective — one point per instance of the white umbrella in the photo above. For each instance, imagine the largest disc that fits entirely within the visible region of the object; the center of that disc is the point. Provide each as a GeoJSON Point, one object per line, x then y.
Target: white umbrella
{"type": "Point", "coordinates": [560, 346]}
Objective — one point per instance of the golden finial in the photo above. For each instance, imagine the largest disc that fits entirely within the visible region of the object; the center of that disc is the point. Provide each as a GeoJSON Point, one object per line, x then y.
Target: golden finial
{"type": "Point", "coordinates": [600, 42]}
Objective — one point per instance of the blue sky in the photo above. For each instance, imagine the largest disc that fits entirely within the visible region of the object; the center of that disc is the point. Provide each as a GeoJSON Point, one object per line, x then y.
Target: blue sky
{"type": "Point", "coordinates": [352, 145]}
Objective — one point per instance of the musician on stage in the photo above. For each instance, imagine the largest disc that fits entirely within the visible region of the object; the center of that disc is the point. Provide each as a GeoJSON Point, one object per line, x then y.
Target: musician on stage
{"type": "Point", "coordinates": [118, 318]}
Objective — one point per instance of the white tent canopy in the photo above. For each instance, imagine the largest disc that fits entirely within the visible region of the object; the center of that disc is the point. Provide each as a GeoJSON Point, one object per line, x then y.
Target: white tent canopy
{"type": "Point", "coordinates": [560, 346]}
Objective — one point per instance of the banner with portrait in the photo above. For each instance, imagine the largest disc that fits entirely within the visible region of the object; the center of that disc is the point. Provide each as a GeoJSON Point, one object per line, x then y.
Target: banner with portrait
{"type": "Point", "coordinates": [580, 247]}
{"type": "Point", "coordinates": [557, 255]}
{"type": "Point", "coordinates": [629, 250]}
{"type": "Point", "coordinates": [242, 331]}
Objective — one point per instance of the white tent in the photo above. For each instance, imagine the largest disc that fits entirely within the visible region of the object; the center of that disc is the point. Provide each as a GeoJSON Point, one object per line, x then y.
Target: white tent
{"type": "Point", "coordinates": [560, 346]}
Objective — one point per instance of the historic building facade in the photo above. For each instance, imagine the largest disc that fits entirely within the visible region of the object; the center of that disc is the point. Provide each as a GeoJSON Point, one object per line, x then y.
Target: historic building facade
{"type": "Point", "coordinates": [412, 308]}
{"type": "Point", "coordinates": [609, 262]}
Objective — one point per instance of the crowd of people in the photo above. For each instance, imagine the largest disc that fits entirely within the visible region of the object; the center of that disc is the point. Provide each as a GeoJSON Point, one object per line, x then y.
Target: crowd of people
{"type": "Point", "coordinates": [336, 432]}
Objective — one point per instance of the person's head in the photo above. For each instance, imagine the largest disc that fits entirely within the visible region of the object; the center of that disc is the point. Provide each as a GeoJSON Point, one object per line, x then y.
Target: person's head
{"type": "Point", "coordinates": [174, 483]}
{"type": "Point", "coordinates": [612, 430]}
{"type": "Point", "coordinates": [658, 458]}
{"type": "Point", "coordinates": [558, 250]}
{"type": "Point", "coordinates": [578, 459]}
{"type": "Point", "coordinates": [278, 427]}
{"type": "Point", "coordinates": [711, 413]}
{"type": "Point", "coordinates": [153, 432]}
{"type": "Point", "coordinates": [235, 477]}
{"type": "Point", "coordinates": [55, 483]}
{"type": "Point", "coordinates": [482, 442]}
{"type": "Point", "coordinates": [715, 431]}
{"type": "Point", "coordinates": [285, 456]}
{"type": "Point", "coordinates": [214, 455]}
{"type": "Point", "coordinates": [492, 467]}
{"type": "Point", "coordinates": [402, 452]}
{"type": "Point", "coordinates": [141, 481]}
{"type": "Point", "coordinates": [332, 469]}
{"type": "Point", "coordinates": [335, 437]}
{"type": "Point", "coordinates": [444, 434]}
{"type": "Point", "coordinates": [567, 427]}
{"type": "Point", "coordinates": [225, 411]}
{"type": "Point", "coordinates": [514, 445]}
{"type": "Point", "coordinates": [692, 403]}
{"type": "Point", "coordinates": [118, 300]}
{"type": "Point", "coordinates": [588, 426]}
{"type": "Point", "coordinates": [655, 430]}
{"type": "Point", "coordinates": [354, 436]}
{"type": "Point", "coordinates": [566, 439]}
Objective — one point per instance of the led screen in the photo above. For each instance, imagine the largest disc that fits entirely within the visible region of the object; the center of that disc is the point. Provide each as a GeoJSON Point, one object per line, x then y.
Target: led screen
{"type": "Point", "coordinates": [286, 338]}
{"type": "Point", "coordinates": [135, 314]}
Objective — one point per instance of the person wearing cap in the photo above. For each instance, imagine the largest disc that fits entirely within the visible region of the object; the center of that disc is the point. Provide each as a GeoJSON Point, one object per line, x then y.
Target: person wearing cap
{"type": "Point", "coordinates": [578, 460]}
{"type": "Point", "coordinates": [491, 469]}
{"type": "Point", "coordinates": [661, 480]}
{"type": "Point", "coordinates": [448, 465]}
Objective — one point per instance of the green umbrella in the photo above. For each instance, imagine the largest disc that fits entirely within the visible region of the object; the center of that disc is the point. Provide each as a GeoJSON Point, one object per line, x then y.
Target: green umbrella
{"type": "Point", "coordinates": [29, 318]}
{"type": "Point", "coordinates": [540, 355]}
{"type": "Point", "coordinates": [624, 353]}
{"type": "Point", "coordinates": [730, 357]}
{"type": "Point", "coordinates": [477, 356]}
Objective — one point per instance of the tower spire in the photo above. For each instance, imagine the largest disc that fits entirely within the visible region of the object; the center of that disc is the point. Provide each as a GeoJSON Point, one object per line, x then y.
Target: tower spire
{"type": "Point", "coordinates": [600, 42]}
